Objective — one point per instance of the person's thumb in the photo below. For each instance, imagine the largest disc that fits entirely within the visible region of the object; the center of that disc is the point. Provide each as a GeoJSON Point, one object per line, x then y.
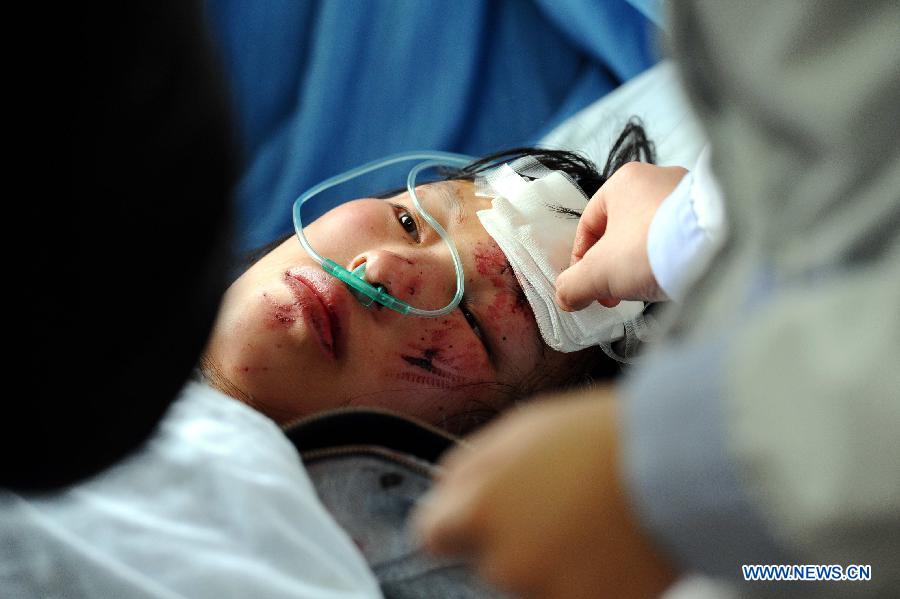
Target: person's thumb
{"type": "Point", "coordinates": [584, 282]}
{"type": "Point", "coordinates": [591, 226]}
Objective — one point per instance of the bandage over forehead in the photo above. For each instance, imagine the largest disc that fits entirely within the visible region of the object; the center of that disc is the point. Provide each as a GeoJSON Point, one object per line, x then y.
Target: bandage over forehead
{"type": "Point", "coordinates": [528, 220]}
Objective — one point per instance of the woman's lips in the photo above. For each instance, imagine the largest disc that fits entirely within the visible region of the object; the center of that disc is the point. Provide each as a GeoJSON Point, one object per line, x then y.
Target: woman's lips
{"type": "Point", "coordinates": [320, 305]}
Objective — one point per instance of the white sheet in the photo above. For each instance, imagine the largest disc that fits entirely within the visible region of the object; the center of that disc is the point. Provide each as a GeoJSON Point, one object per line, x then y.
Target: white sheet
{"type": "Point", "coordinates": [216, 504]}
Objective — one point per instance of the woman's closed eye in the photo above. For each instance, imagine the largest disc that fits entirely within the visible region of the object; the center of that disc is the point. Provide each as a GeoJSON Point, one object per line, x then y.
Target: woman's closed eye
{"type": "Point", "coordinates": [473, 323]}
{"type": "Point", "coordinates": [407, 221]}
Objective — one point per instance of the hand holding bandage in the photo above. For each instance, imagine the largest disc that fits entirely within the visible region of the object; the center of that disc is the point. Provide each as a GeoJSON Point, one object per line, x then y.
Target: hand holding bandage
{"type": "Point", "coordinates": [609, 258]}
{"type": "Point", "coordinates": [531, 220]}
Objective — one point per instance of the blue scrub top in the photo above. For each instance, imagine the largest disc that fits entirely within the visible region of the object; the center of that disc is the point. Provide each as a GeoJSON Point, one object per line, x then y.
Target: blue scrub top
{"type": "Point", "coordinates": [321, 87]}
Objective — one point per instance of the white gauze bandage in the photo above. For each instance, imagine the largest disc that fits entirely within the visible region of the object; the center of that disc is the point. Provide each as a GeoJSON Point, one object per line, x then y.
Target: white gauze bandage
{"type": "Point", "coordinates": [527, 221]}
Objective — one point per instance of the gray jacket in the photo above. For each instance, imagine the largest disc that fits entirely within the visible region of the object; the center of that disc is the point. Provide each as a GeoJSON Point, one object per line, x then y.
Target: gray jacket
{"type": "Point", "coordinates": [766, 429]}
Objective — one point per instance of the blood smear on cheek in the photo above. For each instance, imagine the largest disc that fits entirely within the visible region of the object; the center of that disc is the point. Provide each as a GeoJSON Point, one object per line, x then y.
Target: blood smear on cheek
{"type": "Point", "coordinates": [281, 315]}
{"type": "Point", "coordinates": [509, 303]}
{"type": "Point", "coordinates": [490, 261]}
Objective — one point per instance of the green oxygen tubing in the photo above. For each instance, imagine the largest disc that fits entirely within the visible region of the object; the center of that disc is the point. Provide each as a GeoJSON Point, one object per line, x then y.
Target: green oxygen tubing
{"type": "Point", "coordinates": [355, 280]}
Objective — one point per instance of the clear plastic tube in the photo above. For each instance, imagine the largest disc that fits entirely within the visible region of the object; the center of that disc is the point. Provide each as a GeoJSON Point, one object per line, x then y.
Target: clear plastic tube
{"type": "Point", "coordinates": [353, 279]}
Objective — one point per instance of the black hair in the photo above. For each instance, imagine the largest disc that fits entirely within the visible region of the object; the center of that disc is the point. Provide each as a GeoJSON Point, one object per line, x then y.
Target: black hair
{"type": "Point", "coordinates": [631, 145]}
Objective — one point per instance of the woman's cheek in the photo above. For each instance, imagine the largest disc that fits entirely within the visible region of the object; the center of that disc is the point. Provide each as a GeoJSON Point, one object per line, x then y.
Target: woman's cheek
{"type": "Point", "coordinates": [356, 220]}
{"type": "Point", "coordinates": [509, 312]}
{"type": "Point", "coordinates": [442, 374]}
{"type": "Point", "coordinates": [432, 373]}
{"type": "Point", "coordinates": [444, 355]}
{"type": "Point", "coordinates": [437, 370]}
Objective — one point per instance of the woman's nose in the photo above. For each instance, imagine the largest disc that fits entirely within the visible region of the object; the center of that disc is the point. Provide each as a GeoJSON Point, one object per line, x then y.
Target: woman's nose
{"type": "Point", "coordinates": [423, 281]}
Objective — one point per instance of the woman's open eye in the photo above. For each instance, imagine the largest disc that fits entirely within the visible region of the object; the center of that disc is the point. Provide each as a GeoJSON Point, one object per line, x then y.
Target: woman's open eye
{"type": "Point", "coordinates": [407, 221]}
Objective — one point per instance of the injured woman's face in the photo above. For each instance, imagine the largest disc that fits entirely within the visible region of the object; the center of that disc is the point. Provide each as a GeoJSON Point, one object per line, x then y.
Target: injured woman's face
{"type": "Point", "coordinates": [291, 340]}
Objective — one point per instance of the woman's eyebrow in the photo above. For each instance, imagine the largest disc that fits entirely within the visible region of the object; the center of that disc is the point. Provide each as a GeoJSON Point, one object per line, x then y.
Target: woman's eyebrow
{"type": "Point", "coordinates": [442, 204]}
{"type": "Point", "coordinates": [452, 204]}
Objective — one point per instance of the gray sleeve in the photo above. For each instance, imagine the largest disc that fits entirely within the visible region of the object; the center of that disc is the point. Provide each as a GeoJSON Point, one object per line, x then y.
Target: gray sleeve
{"type": "Point", "coordinates": [778, 442]}
{"type": "Point", "coordinates": [813, 393]}
{"type": "Point", "coordinates": [784, 408]}
{"type": "Point", "coordinates": [680, 471]}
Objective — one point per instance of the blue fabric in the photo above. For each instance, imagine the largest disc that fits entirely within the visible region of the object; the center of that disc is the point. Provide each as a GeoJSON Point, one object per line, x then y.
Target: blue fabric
{"type": "Point", "coordinates": [683, 480]}
{"type": "Point", "coordinates": [652, 9]}
{"type": "Point", "coordinates": [323, 87]}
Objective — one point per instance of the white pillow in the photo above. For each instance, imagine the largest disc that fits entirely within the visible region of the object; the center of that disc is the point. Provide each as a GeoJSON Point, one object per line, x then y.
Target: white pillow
{"type": "Point", "coordinates": [657, 98]}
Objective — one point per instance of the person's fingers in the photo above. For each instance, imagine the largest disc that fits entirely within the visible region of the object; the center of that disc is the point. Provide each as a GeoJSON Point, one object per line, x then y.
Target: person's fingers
{"type": "Point", "coordinates": [585, 281]}
{"type": "Point", "coordinates": [446, 519]}
{"type": "Point", "coordinates": [504, 568]}
{"type": "Point", "coordinates": [457, 460]}
{"type": "Point", "coordinates": [452, 519]}
{"type": "Point", "coordinates": [609, 302]}
{"type": "Point", "coordinates": [591, 226]}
